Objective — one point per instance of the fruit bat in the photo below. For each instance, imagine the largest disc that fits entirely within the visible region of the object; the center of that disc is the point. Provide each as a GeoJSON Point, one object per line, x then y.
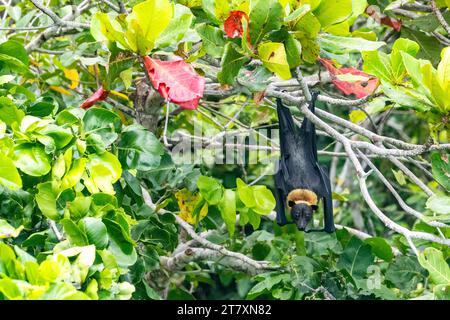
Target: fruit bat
{"type": "Point", "coordinates": [300, 181]}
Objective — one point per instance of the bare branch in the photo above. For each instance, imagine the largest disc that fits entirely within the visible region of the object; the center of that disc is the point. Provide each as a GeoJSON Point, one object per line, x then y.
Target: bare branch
{"type": "Point", "coordinates": [399, 199]}
{"type": "Point", "coordinates": [439, 16]}
{"type": "Point", "coordinates": [56, 19]}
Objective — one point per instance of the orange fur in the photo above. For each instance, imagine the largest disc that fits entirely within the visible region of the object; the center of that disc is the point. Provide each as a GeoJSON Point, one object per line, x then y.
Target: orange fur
{"type": "Point", "coordinates": [302, 195]}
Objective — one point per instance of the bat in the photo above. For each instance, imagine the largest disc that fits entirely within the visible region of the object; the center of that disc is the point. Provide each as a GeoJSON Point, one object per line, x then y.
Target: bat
{"type": "Point", "coordinates": [300, 181]}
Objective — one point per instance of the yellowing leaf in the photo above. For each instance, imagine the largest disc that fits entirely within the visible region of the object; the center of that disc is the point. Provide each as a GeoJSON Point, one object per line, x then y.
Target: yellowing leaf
{"type": "Point", "coordinates": [444, 69]}
{"type": "Point", "coordinates": [119, 94]}
{"type": "Point", "coordinates": [146, 22]}
{"type": "Point", "coordinates": [187, 202]}
{"type": "Point", "coordinates": [104, 28]}
{"type": "Point", "coordinates": [73, 76]}
{"type": "Point", "coordinates": [222, 9]}
{"type": "Point", "coordinates": [8, 231]}
{"type": "Point", "coordinates": [274, 58]}
{"type": "Point", "coordinates": [60, 90]}
{"type": "Point", "coordinates": [357, 116]}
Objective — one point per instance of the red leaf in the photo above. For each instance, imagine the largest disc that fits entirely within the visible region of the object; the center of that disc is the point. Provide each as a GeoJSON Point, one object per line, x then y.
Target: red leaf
{"type": "Point", "coordinates": [176, 81]}
{"type": "Point", "coordinates": [99, 95]}
{"type": "Point", "coordinates": [360, 89]}
{"type": "Point", "coordinates": [387, 21]}
{"type": "Point", "coordinates": [384, 19]}
{"type": "Point", "coordinates": [233, 24]}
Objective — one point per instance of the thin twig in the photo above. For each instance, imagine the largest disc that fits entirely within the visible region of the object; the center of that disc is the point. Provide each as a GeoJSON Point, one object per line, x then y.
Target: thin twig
{"type": "Point", "coordinates": [440, 17]}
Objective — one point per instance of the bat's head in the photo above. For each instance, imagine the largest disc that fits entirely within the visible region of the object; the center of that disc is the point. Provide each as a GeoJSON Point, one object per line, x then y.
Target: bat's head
{"type": "Point", "coordinates": [302, 214]}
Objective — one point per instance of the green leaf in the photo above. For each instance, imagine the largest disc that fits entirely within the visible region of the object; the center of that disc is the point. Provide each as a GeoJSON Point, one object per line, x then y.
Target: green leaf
{"type": "Point", "coordinates": [46, 200]}
{"type": "Point", "coordinates": [380, 248]}
{"type": "Point", "coordinates": [258, 198]}
{"type": "Point", "coordinates": [14, 64]}
{"type": "Point", "coordinates": [330, 13]}
{"type": "Point", "coordinates": [104, 170]}
{"type": "Point", "coordinates": [74, 174]}
{"type": "Point", "coordinates": [306, 31]}
{"type": "Point", "coordinates": [433, 260]}
{"type": "Point", "coordinates": [245, 193]}
{"type": "Point", "coordinates": [63, 291]}
{"type": "Point", "coordinates": [61, 136]}
{"type": "Point", "coordinates": [298, 13]}
{"type": "Point", "coordinates": [293, 51]}
{"type": "Point", "coordinates": [8, 231]}
{"type": "Point", "coordinates": [378, 64]}
{"type": "Point", "coordinates": [267, 284]}
{"type": "Point", "coordinates": [79, 207]}
{"type": "Point", "coordinates": [265, 16]}
{"type": "Point", "coordinates": [399, 176]}
{"type": "Point", "coordinates": [15, 49]}
{"type": "Point", "coordinates": [443, 71]}
{"type": "Point", "coordinates": [32, 159]}
{"type": "Point", "coordinates": [414, 68]}
{"type": "Point", "coordinates": [256, 80]}
{"type": "Point", "coordinates": [97, 118]}
{"type": "Point", "coordinates": [212, 39]}
{"type": "Point", "coordinates": [404, 98]}
{"type": "Point", "coordinates": [146, 22]}
{"type": "Point", "coordinates": [356, 258]}
{"type": "Point", "coordinates": [151, 293]}
{"type": "Point", "coordinates": [75, 235]}
{"type": "Point", "coordinates": [253, 218]}
{"type": "Point", "coordinates": [9, 113]}
{"type": "Point", "coordinates": [140, 149]}
{"type": "Point", "coordinates": [402, 45]}
{"type": "Point", "coordinates": [104, 27]}
{"type": "Point", "coordinates": [339, 44]}
{"type": "Point", "coordinates": [430, 47]}
{"type": "Point", "coordinates": [441, 169]}
{"type": "Point", "coordinates": [216, 10]}
{"type": "Point", "coordinates": [348, 77]}
{"type": "Point", "coordinates": [120, 236]}
{"type": "Point", "coordinates": [177, 27]}
{"type": "Point", "coordinates": [210, 189]}
{"type": "Point", "coordinates": [227, 207]}
{"type": "Point", "coordinates": [427, 22]}
{"type": "Point", "coordinates": [9, 289]}
{"type": "Point", "coordinates": [439, 204]}
{"type": "Point", "coordinates": [264, 200]}
{"type": "Point", "coordinates": [232, 61]}
{"type": "Point", "coordinates": [9, 176]}
{"type": "Point", "coordinates": [95, 231]}
{"type": "Point", "coordinates": [273, 57]}
{"type": "Point", "coordinates": [322, 243]}
{"type": "Point", "coordinates": [405, 273]}
{"type": "Point", "coordinates": [49, 270]}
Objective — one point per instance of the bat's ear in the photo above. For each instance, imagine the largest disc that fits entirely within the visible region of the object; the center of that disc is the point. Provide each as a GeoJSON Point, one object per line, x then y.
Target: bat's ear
{"type": "Point", "coordinates": [314, 207]}
{"type": "Point", "coordinates": [291, 203]}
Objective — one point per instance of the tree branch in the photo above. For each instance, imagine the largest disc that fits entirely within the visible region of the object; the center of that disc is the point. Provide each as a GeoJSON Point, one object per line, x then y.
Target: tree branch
{"type": "Point", "coordinates": [440, 17]}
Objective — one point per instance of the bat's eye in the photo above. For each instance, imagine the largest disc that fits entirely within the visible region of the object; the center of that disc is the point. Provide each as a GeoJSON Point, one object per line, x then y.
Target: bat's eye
{"type": "Point", "coordinates": [291, 203]}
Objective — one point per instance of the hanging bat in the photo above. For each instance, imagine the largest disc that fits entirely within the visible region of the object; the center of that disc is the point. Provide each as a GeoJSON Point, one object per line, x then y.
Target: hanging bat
{"type": "Point", "coordinates": [300, 181]}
